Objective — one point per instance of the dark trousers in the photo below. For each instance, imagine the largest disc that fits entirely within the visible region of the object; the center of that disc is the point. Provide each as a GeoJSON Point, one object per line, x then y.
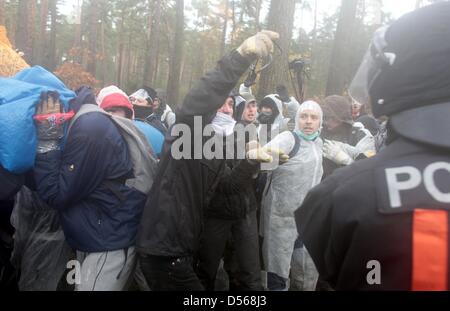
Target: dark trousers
{"type": "Point", "coordinates": [8, 274]}
{"type": "Point", "coordinates": [245, 245]}
{"type": "Point", "coordinates": [276, 282]}
{"type": "Point", "coordinates": [170, 274]}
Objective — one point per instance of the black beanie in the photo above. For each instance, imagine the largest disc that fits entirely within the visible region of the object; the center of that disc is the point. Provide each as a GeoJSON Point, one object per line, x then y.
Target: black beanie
{"type": "Point", "coordinates": [151, 92]}
{"type": "Point", "coordinates": [369, 123]}
{"type": "Point", "coordinates": [269, 102]}
{"type": "Point", "coordinates": [420, 74]}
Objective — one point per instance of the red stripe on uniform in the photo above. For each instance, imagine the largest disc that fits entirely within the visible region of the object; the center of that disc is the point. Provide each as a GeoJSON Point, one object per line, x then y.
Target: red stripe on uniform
{"type": "Point", "coordinates": [430, 250]}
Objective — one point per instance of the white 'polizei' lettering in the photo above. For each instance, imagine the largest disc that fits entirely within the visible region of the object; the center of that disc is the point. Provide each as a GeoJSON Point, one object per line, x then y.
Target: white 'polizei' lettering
{"type": "Point", "coordinates": [413, 180]}
{"type": "Point", "coordinates": [430, 185]}
{"type": "Point", "coordinates": [395, 186]}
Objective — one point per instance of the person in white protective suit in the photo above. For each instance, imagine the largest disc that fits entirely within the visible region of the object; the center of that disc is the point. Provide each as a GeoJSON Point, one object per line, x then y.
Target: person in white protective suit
{"type": "Point", "coordinates": [290, 104]}
{"type": "Point", "coordinates": [285, 190]}
{"type": "Point", "coordinates": [271, 120]}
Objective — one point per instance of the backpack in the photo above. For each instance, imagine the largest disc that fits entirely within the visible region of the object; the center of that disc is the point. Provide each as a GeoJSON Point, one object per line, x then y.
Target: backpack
{"type": "Point", "coordinates": [141, 153]}
{"type": "Point", "coordinates": [296, 148]}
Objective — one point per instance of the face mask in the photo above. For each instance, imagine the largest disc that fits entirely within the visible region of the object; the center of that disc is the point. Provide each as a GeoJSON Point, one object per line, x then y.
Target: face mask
{"type": "Point", "coordinates": [265, 118]}
{"type": "Point", "coordinates": [142, 112]}
{"type": "Point", "coordinates": [311, 137]}
{"type": "Point", "coordinates": [223, 124]}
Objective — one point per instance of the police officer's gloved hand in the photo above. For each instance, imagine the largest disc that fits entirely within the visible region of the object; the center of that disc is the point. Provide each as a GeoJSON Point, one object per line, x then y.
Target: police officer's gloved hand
{"type": "Point", "coordinates": [50, 119]}
{"type": "Point", "coordinates": [334, 152]}
{"type": "Point", "coordinates": [258, 46]}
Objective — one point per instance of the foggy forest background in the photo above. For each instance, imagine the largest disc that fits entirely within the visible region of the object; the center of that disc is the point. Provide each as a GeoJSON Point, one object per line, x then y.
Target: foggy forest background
{"type": "Point", "coordinates": [171, 44]}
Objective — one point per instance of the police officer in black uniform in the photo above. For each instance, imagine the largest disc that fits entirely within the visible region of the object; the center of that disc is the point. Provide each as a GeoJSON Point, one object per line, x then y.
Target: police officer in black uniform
{"type": "Point", "coordinates": [383, 223]}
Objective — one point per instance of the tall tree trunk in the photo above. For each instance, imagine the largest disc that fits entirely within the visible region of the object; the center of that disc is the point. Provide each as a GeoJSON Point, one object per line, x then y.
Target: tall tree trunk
{"type": "Point", "coordinates": [132, 63]}
{"type": "Point", "coordinates": [50, 50]}
{"type": "Point", "coordinates": [93, 28]}
{"type": "Point", "coordinates": [32, 31]}
{"type": "Point", "coordinates": [2, 12]}
{"type": "Point", "coordinates": [233, 21]}
{"type": "Point", "coordinates": [103, 51]}
{"type": "Point", "coordinates": [153, 44]}
{"type": "Point", "coordinates": [258, 14]}
{"type": "Point", "coordinates": [315, 22]}
{"type": "Point", "coordinates": [127, 68]}
{"type": "Point", "coordinates": [121, 48]}
{"type": "Point", "coordinates": [157, 64]}
{"type": "Point", "coordinates": [199, 68]}
{"type": "Point", "coordinates": [146, 55]}
{"type": "Point", "coordinates": [25, 28]}
{"type": "Point", "coordinates": [176, 54]}
{"type": "Point", "coordinates": [281, 20]}
{"type": "Point", "coordinates": [338, 75]}
{"type": "Point", "coordinates": [182, 69]}
{"type": "Point", "coordinates": [314, 58]}
{"type": "Point", "coordinates": [84, 34]}
{"type": "Point", "coordinates": [77, 43]}
{"type": "Point", "coordinates": [224, 29]}
{"type": "Point", "coordinates": [42, 42]}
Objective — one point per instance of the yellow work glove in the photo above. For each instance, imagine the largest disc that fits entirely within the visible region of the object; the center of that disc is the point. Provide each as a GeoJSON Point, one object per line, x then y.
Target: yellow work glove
{"type": "Point", "coordinates": [264, 155]}
{"type": "Point", "coordinates": [277, 153]}
{"type": "Point", "coordinates": [260, 45]}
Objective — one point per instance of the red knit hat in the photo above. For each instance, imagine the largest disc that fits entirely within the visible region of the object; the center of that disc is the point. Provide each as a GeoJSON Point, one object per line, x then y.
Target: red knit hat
{"type": "Point", "coordinates": [112, 96]}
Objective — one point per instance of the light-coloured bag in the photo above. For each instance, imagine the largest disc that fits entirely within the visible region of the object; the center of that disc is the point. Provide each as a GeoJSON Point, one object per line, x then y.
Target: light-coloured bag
{"type": "Point", "coordinates": [141, 153]}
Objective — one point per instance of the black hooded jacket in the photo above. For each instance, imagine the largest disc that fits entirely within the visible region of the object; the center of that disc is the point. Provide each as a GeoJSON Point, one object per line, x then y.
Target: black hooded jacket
{"type": "Point", "coordinates": [347, 222]}
{"type": "Point", "coordinates": [234, 206]}
{"type": "Point", "coordinates": [173, 217]}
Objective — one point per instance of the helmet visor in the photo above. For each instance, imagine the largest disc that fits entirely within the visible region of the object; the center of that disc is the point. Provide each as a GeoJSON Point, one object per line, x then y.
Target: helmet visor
{"type": "Point", "coordinates": [373, 62]}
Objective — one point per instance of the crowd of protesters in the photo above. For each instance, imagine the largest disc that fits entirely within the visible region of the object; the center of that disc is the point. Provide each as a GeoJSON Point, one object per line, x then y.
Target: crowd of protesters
{"type": "Point", "coordinates": [310, 195]}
